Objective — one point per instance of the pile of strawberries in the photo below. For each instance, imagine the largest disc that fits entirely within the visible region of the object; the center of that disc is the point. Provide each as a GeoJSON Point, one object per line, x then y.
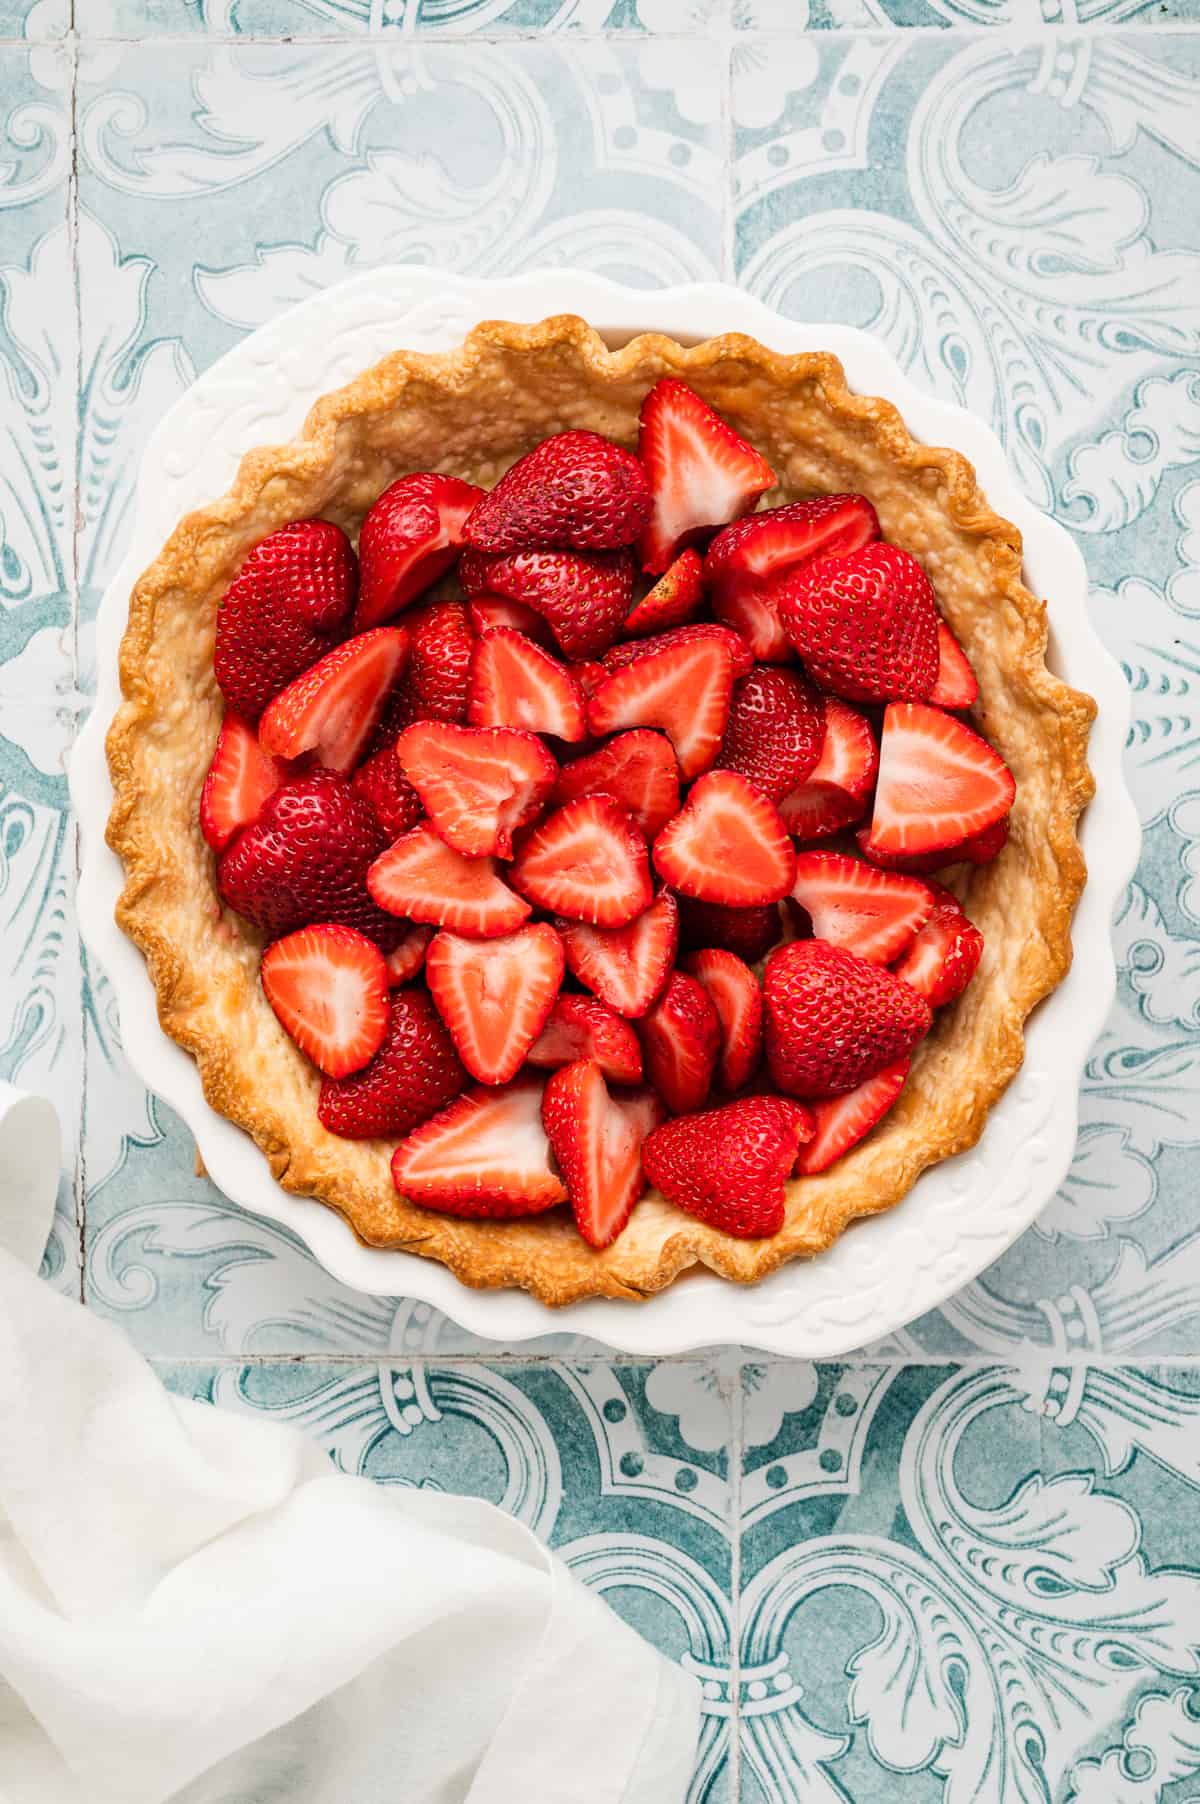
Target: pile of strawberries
{"type": "Point", "coordinates": [551, 828]}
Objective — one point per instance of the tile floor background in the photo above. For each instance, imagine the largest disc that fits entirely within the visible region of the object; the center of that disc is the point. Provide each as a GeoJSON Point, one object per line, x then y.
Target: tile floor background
{"type": "Point", "coordinates": [965, 1566]}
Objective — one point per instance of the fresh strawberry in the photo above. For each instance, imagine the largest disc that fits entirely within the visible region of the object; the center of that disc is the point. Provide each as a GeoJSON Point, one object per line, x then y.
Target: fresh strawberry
{"type": "Point", "coordinates": [388, 790]}
{"type": "Point", "coordinates": [833, 1020]}
{"type": "Point", "coordinates": [586, 861]}
{"type": "Point", "coordinates": [684, 690]}
{"type": "Point", "coordinates": [589, 675]}
{"type": "Point", "coordinates": [306, 858]}
{"type": "Point", "coordinates": [328, 987]}
{"type": "Point", "coordinates": [582, 596]}
{"type": "Point", "coordinates": [514, 683]}
{"type": "Point", "coordinates": [638, 770]}
{"type": "Point", "coordinates": [485, 1155]}
{"type": "Point", "coordinates": [437, 680]}
{"type": "Point", "coordinates": [626, 967]}
{"type": "Point", "coordinates": [734, 992]}
{"type": "Point", "coordinates": [334, 708]}
{"type": "Point", "coordinates": [673, 600]}
{"type": "Point", "coordinates": [415, 1072]}
{"type": "Point", "coordinates": [727, 844]}
{"type": "Point", "coordinates": [421, 877]}
{"type": "Point", "coordinates": [630, 651]}
{"type": "Point", "coordinates": [406, 958]}
{"type": "Point", "coordinates": [836, 793]}
{"type": "Point", "coordinates": [776, 731]}
{"type": "Point", "coordinates": [597, 1141]}
{"type": "Point", "coordinates": [746, 562]}
{"type": "Point", "coordinates": [478, 785]}
{"type": "Point", "coordinates": [681, 1042]}
{"type": "Point", "coordinates": [239, 780]}
{"type": "Point", "coordinates": [487, 611]}
{"type": "Point", "coordinates": [730, 1166]}
{"type": "Point", "coordinates": [575, 491]}
{"type": "Point", "coordinates": [981, 848]}
{"type": "Point", "coordinates": [286, 606]}
{"type": "Point", "coordinates": [945, 955]}
{"type": "Point", "coordinates": [702, 473]}
{"type": "Point", "coordinates": [750, 932]}
{"type": "Point", "coordinates": [410, 537]}
{"type": "Point", "coordinates": [842, 1121]}
{"type": "Point", "coordinates": [583, 1027]}
{"type": "Point", "coordinates": [939, 783]}
{"type": "Point", "coordinates": [495, 995]}
{"type": "Point", "coordinates": [956, 686]}
{"type": "Point", "coordinates": [864, 624]}
{"type": "Point", "coordinates": [851, 904]}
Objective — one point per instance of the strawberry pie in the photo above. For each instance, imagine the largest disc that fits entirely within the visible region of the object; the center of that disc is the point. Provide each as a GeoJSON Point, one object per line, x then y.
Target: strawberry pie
{"type": "Point", "coordinates": [597, 813]}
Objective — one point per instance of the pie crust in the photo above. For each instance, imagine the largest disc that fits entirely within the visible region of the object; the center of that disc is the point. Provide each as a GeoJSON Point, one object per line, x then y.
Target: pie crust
{"type": "Point", "coordinates": [472, 412]}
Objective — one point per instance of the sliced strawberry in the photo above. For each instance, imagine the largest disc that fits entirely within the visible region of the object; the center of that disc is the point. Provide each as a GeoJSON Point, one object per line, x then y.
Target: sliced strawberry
{"type": "Point", "coordinates": [842, 1121]}
{"type": "Point", "coordinates": [727, 844]}
{"type": "Point", "coordinates": [874, 913]}
{"type": "Point", "coordinates": [939, 783]}
{"type": "Point", "coordinates": [745, 562]}
{"type": "Point", "coordinates": [681, 1042]}
{"type": "Point", "coordinates": [673, 600]}
{"type": "Point", "coordinates": [833, 1020]}
{"type": "Point", "coordinates": [514, 683]}
{"type": "Point", "coordinates": [734, 992]}
{"type": "Point", "coordinates": [434, 686]}
{"type": "Point", "coordinates": [750, 932]}
{"type": "Point", "coordinates": [328, 988]}
{"type": "Point", "coordinates": [485, 1155]}
{"type": "Point", "coordinates": [729, 1166]}
{"type": "Point", "coordinates": [586, 861]}
{"type": "Point", "coordinates": [583, 1027]}
{"type": "Point", "coordinates": [836, 792]}
{"type": "Point", "coordinates": [478, 785]}
{"type": "Point", "coordinates": [626, 967]}
{"type": "Point", "coordinates": [981, 848]}
{"type": "Point", "coordinates": [495, 995]}
{"type": "Point", "coordinates": [684, 690]}
{"type": "Point", "coordinates": [630, 651]}
{"type": "Point", "coordinates": [487, 611]}
{"type": "Point", "coordinates": [956, 686]}
{"type": "Point", "coordinates": [423, 878]}
{"type": "Point", "coordinates": [388, 790]}
{"type": "Point", "coordinates": [239, 780]}
{"type": "Point", "coordinates": [288, 604]}
{"type": "Point", "coordinates": [597, 1141]}
{"type": "Point", "coordinates": [702, 473]}
{"type": "Point", "coordinates": [415, 1072]}
{"type": "Point", "coordinates": [575, 490]}
{"type": "Point", "coordinates": [410, 536]}
{"type": "Point", "coordinates": [406, 959]}
{"type": "Point", "coordinates": [945, 955]}
{"type": "Point", "coordinates": [582, 596]}
{"type": "Point", "coordinates": [334, 708]}
{"type": "Point", "coordinates": [638, 770]}
{"type": "Point", "coordinates": [776, 731]}
{"type": "Point", "coordinates": [589, 675]}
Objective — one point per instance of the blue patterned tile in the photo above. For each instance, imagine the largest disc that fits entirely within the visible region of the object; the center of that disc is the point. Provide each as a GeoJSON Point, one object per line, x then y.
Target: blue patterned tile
{"type": "Point", "coordinates": [351, 18]}
{"type": "Point", "coordinates": [34, 20]}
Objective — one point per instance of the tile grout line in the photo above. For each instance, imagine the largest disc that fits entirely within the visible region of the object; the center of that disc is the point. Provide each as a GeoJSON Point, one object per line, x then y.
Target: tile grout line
{"type": "Point", "coordinates": [737, 1435]}
{"type": "Point", "coordinates": [1027, 1359]}
{"type": "Point", "coordinates": [1021, 34]}
{"type": "Point", "coordinates": [80, 1162]}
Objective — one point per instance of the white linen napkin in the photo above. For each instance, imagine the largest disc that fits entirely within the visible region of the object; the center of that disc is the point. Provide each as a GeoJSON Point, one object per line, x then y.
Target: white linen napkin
{"type": "Point", "coordinates": [194, 1605]}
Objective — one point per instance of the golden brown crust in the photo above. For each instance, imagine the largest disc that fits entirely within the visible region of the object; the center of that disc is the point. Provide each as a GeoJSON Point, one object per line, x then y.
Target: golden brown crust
{"type": "Point", "coordinates": [470, 412]}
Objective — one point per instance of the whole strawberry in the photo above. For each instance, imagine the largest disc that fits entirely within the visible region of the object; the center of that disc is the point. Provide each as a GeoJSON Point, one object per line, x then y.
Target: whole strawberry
{"type": "Point", "coordinates": [729, 1166]}
{"type": "Point", "coordinates": [833, 1020]}
{"type": "Point", "coordinates": [776, 731]}
{"type": "Point", "coordinates": [583, 597]}
{"type": "Point", "coordinates": [284, 610]}
{"type": "Point", "coordinates": [575, 491]}
{"type": "Point", "coordinates": [866, 625]}
{"type": "Point", "coordinates": [415, 1073]}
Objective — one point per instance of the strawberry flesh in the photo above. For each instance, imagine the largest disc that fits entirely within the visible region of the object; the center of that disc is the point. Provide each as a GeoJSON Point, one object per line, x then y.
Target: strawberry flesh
{"type": "Point", "coordinates": [407, 957]}
{"type": "Point", "coordinates": [956, 685]}
{"type": "Point", "coordinates": [702, 473]}
{"type": "Point", "coordinates": [424, 878]}
{"type": "Point", "coordinates": [874, 913]}
{"type": "Point", "coordinates": [494, 995]}
{"type": "Point", "coordinates": [487, 611]}
{"type": "Point", "coordinates": [285, 608]}
{"type": "Point", "coordinates": [729, 1167]}
{"type": "Point", "coordinates": [684, 690]}
{"type": "Point", "coordinates": [626, 967]}
{"type": "Point", "coordinates": [745, 563]}
{"type": "Point", "coordinates": [415, 1072]}
{"type": "Point", "coordinates": [575, 491]}
{"type": "Point", "coordinates": [836, 792]}
{"type": "Point", "coordinates": [842, 1121]}
{"type": "Point", "coordinates": [586, 861]}
{"type": "Point", "coordinates": [514, 683]}
{"type": "Point", "coordinates": [734, 992]}
{"type": "Point", "coordinates": [675, 598]}
{"type": "Point", "coordinates": [240, 778]}
{"type": "Point", "coordinates": [944, 956]}
{"type": "Point", "coordinates": [485, 1155]}
{"type": "Point", "coordinates": [833, 1020]}
{"type": "Point", "coordinates": [597, 1141]}
{"type": "Point", "coordinates": [411, 535]}
{"type": "Point", "coordinates": [629, 651]}
{"type": "Point", "coordinates": [583, 1027]}
{"type": "Point", "coordinates": [478, 785]}
{"type": "Point", "coordinates": [335, 707]}
{"type": "Point", "coordinates": [637, 769]}
{"type": "Point", "coordinates": [328, 987]}
{"type": "Point", "coordinates": [939, 783]}
{"type": "Point", "coordinates": [681, 1042]}
{"type": "Point", "coordinates": [727, 844]}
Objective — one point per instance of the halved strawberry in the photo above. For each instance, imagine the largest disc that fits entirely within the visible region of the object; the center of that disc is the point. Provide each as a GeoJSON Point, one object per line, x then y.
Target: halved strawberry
{"type": "Point", "coordinates": [415, 1072]}
{"type": "Point", "coordinates": [487, 611]}
{"type": "Point", "coordinates": [874, 913]}
{"type": "Point", "coordinates": [289, 602]}
{"type": "Point", "coordinates": [981, 848]}
{"type": "Point", "coordinates": [685, 690]}
{"type": "Point", "coordinates": [956, 686]}
{"type": "Point", "coordinates": [734, 992]}
{"type": "Point", "coordinates": [833, 1020]}
{"type": "Point", "coordinates": [746, 561]}
{"type": "Point", "coordinates": [727, 844]}
{"type": "Point", "coordinates": [586, 861]}
{"type": "Point", "coordinates": [485, 1155]}
{"type": "Point", "coordinates": [328, 987]}
{"type": "Point", "coordinates": [478, 784]}
{"type": "Point", "coordinates": [702, 473]}
{"type": "Point", "coordinates": [674, 599]}
{"type": "Point", "coordinates": [583, 1027]}
{"type": "Point", "coordinates": [495, 995]}
{"type": "Point", "coordinates": [681, 1042]}
{"type": "Point", "coordinates": [406, 958]}
{"type": "Point", "coordinates": [864, 624]}
{"type": "Point", "coordinates": [630, 651]}
{"type": "Point", "coordinates": [842, 1121]}
{"type": "Point", "coordinates": [514, 683]}
{"type": "Point", "coordinates": [334, 708]}
{"type": "Point", "coordinates": [240, 778]}
{"type": "Point", "coordinates": [776, 731]}
{"type": "Point", "coordinates": [589, 675]}
{"type": "Point", "coordinates": [945, 955]}
{"type": "Point", "coordinates": [729, 1166]}
{"type": "Point", "coordinates": [835, 793]}
{"type": "Point", "coordinates": [441, 644]}
{"type": "Point", "coordinates": [583, 596]}
{"type": "Point", "coordinates": [576, 490]}
{"type": "Point", "coordinates": [626, 967]}
{"type": "Point", "coordinates": [638, 770]}
{"type": "Point", "coordinates": [422, 877]}
{"type": "Point", "coordinates": [939, 783]}
{"type": "Point", "coordinates": [597, 1140]}
{"type": "Point", "coordinates": [750, 932]}
{"type": "Point", "coordinates": [388, 790]}
{"type": "Point", "coordinates": [411, 535]}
